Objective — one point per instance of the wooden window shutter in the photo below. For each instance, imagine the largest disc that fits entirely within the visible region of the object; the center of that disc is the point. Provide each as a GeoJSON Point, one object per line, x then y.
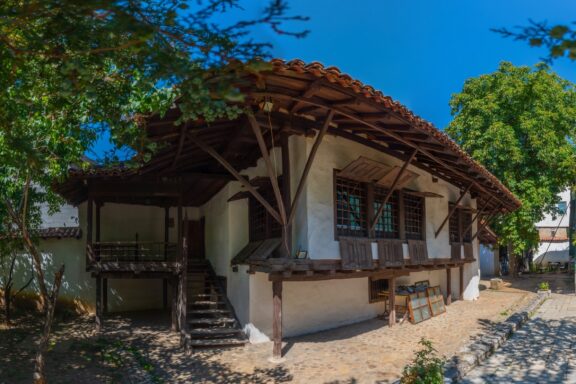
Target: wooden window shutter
{"type": "Point", "coordinates": [468, 251]}
{"type": "Point", "coordinates": [390, 253]}
{"type": "Point", "coordinates": [356, 253]}
{"type": "Point", "coordinates": [455, 251]}
{"type": "Point", "coordinates": [417, 251]}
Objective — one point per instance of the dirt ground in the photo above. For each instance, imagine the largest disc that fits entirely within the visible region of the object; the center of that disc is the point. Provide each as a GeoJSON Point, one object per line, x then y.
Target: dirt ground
{"type": "Point", "coordinates": [139, 347]}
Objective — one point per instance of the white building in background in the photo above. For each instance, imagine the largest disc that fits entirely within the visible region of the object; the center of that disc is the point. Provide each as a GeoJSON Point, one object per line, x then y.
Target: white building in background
{"type": "Point", "coordinates": [553, 231]}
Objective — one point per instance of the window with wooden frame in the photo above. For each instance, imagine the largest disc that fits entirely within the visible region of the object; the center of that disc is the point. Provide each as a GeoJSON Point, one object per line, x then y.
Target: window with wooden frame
{"type": "Point", "coordinates": [387, 226]}
{"type": "Point", "coordinates": [350, 206]}
{"type": "Point", "coordinates": [377, 286]}
{"type": "Point", "coordinates": [459, 221]}
{"type": "Point", "coordinates": [262, 225]}
{"type": "Point", "coordinates": [414, 220]}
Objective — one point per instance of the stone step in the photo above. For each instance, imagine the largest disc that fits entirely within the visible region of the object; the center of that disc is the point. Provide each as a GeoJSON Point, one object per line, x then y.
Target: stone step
{"type": "Point", "coordinates": [206, 303]}
{"type": "Point", "coordinates": [214, 333]}
{"type": "Point", "coordinates": [216, 343]}
{"type": "Point", "coordinates": [208, 312]}
{"type": "Point", "coordinates": [211, 322]}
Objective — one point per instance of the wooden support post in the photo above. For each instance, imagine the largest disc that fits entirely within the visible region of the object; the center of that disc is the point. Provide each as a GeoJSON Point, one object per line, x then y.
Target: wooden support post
{"type": "Point", "coordinates": [461, 294]}
{"type": "Point", "coordinates": [308, 165]}
{"type": "Point", "coordinates": [392, 301]}
{"type": "Point", "coordinates": [183, 286]}
{"type": "Point", "coordinates": [277, 319]}
{"type": "Point", "coordinates": [448, 286]}
{"type": "Point", "coordinates": [391, 191]}
{"type": "Point", "coordinates": [89, 220]}
{"type": "Point", "coordinates": [286, 191]}
{"type": "Point", "coordinates": [453, 209]}
{"type": "Point", "coordinates": [99, 323]}
{"type": "Point", "coordinates": [174, 290]}
{"type": "Point", "coordinates": [166, 239]}
{"type": "Point", "coordinates": [105, 295]}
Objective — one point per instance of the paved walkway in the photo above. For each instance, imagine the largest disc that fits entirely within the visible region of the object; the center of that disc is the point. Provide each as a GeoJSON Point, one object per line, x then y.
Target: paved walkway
{"type": "Point", "coordinates": [543, 351]}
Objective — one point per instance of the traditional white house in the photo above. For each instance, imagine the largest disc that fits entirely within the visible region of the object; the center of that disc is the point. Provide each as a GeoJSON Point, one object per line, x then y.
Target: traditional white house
{"type": "Point", "coordinates": [553, 233]}
{"type": "Point", "coordinates": [295, 217]}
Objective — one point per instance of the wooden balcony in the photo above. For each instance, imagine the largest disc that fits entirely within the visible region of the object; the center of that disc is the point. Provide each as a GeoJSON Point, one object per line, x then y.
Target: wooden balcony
{"type": "Point", "coordinates": [132, 257]}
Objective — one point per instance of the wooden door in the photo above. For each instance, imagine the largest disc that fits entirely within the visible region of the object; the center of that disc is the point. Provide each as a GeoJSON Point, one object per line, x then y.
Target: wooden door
{"type": "Point", "coordinates": [196, 249]}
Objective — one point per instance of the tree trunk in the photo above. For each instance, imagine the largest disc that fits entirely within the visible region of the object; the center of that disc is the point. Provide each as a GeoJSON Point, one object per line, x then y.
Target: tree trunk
{"type": "Point", "coordinates": [7, 302]}
{"type": "Point", "coordinates": [50, 305]}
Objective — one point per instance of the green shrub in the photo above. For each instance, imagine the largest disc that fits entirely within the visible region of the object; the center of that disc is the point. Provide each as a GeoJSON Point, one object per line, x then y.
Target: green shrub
{"type": "Point", "coordinates": [544, 286]}
{"type": "Point", "coordinates": [426, 368]}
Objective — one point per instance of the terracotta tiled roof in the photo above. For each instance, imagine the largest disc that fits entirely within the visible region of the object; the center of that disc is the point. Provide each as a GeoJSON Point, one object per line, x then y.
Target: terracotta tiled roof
{"type": "Point", "coordinates": [555, 238]}
{"type": "Point", "coordinates": [334, 75]}
{"type": "Point", "coordinates": [60, 233]}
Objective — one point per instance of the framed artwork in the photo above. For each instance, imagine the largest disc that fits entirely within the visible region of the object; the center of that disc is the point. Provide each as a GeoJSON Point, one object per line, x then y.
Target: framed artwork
{"type": "Point", "coordinates": [436, 300]}
{"type": "Point", "coordinates": [419, 307]}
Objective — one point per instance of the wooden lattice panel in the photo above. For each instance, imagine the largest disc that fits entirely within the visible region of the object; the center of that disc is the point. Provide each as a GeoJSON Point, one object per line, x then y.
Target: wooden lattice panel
{"type": "Point", "coordinates": [455, 251]}
{"type": "Point", "coordinates": [365, 170]}
{"type": "Point", "coordinates": [417, 251]}
{"type": "Point", "coordinates": [468, 251]}
{"type": "Point", "coordinates": [390, 253]}
{"type": "Point", "coordinates": [356, 253]}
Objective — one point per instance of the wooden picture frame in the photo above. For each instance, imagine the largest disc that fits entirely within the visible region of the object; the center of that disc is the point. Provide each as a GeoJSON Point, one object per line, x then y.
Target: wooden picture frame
{"type": "Point", "coordinates": [436, 300]}
{"type": "Point", "coordinates": [419, 307]}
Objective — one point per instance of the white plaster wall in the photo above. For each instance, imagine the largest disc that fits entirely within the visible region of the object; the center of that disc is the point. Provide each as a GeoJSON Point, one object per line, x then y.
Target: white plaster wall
{"type": "Point", "coordinates": [562, 221]}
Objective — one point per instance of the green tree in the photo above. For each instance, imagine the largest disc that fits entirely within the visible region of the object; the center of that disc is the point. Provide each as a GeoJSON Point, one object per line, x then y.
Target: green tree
{"type": "Point", "coordinates": [72, 70]}
{"type": "Point", "coordinates": [519, 122]}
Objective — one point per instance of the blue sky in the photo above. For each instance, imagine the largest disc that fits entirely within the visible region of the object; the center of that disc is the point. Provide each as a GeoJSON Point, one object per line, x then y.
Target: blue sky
{"type": "Point", "coordinates": [419, 52]}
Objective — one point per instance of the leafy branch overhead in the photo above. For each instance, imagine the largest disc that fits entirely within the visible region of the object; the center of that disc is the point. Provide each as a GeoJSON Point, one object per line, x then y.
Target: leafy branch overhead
{"type": "Point", "coordinates": [559, 40]}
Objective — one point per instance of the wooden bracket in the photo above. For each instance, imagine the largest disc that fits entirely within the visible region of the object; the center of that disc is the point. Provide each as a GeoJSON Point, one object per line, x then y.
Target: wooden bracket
{"type": "Point", "coordinates": [308, 165]}
{"type": "Point", "coordinates": [208, 149]}
{"type": "Point", "coordinates": [477, 215]}
{"type": "Point", "coordinates": [453, 209]}
{"type": "Point", "coordinates": [391, 191]}
{"type": "Point", "coordinates": [269, 166]}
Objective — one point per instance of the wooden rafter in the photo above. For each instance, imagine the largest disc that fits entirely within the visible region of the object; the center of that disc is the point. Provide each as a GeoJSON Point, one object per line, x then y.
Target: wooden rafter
{"type": "Point", "coordinates": [208, 149]}
{"type": "Point", "coordinates": [391, 190]}
{"type": "Point", "coordinates": [453, 209]}
{"type": "Point", "coordinates": [308, 165]}
{"type": "Point", "coordinates": [351, 115]}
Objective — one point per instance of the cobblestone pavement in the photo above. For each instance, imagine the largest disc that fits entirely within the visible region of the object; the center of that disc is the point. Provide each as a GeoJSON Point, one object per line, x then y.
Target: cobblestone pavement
{"type": "Point", "coordinates": [367, 352]}
{"type": "Point", "coordinates": [543, 351]}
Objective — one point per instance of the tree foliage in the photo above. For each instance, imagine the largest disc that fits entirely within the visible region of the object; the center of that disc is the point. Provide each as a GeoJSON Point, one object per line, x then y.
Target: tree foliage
{"type": "Point", "coordinates": [72, 70]}
{"type": "Point", "coordinates": [519, 122]}
{"type": "Point", "coordinates": [559, 40]}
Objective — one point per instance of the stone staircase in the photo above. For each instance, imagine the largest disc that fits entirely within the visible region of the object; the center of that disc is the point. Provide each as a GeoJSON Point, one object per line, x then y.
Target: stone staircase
{"type": "Point", "coordinates": [211, 319]}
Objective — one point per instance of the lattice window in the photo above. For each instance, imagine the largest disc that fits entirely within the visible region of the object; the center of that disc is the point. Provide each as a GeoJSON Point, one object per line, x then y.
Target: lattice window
{"type": "Point", "coordinates": [387, 225]}
{"type": "Point", "coordinates": [378, 286]}
{"type": "Point", "coordinates": [454, 225]}
{"type": "Point", "coordinates": [262, 224]}
{"type": "Point", "coordinates": [466, 218]}
{"type": "Point", "coordinates": [350, 208]}
{"type": "Point", "coordinates": [414, 217]}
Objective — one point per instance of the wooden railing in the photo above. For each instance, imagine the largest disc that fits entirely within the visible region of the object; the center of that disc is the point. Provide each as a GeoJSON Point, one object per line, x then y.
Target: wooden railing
{"type": "Point", "coordinates": [131, 251]}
